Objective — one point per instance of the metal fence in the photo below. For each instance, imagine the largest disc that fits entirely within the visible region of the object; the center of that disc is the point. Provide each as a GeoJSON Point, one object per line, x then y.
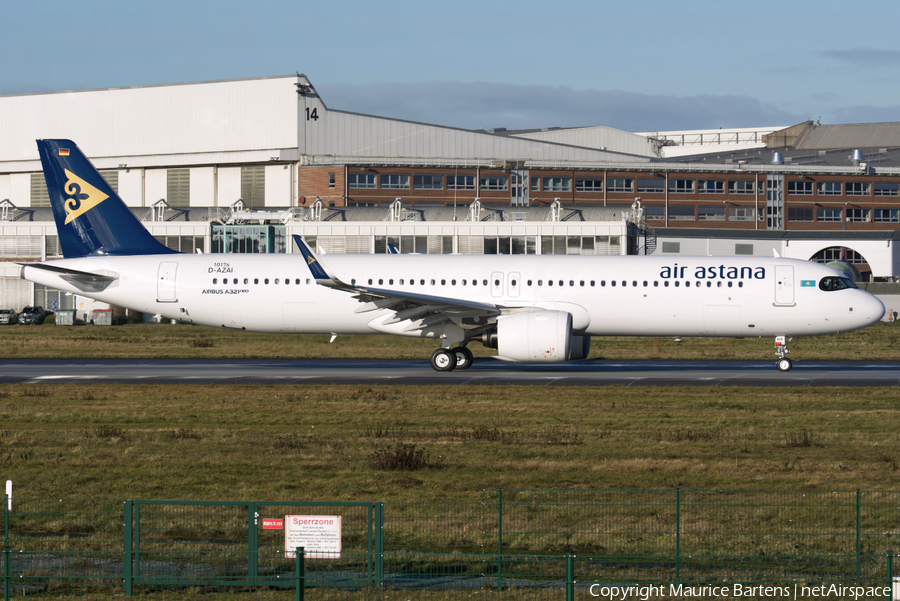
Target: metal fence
{"type": "Point", "coordinates": [517, 544]}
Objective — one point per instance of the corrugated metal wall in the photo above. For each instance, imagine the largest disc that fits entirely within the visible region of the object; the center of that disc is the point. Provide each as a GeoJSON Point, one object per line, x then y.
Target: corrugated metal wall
{"type": "Point", "coordinates": [348, 134]}
{"type": "Point", "coordinates": [226, 116]}
{"type": "Point", "coordinates": [597, 137]}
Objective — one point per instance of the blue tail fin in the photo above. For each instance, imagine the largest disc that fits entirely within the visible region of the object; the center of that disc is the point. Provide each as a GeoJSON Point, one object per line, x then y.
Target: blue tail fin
{"type": "Point", "coordinates": [91, 219]}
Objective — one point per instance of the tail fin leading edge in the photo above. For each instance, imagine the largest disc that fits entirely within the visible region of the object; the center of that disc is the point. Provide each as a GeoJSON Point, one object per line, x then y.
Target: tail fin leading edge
{"type": "Point", "coordinates": [90, 217]}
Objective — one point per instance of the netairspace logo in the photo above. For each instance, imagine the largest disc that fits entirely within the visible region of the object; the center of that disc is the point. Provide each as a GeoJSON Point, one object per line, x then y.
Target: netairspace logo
{"type": "Point", "coordinates": [736, 591]}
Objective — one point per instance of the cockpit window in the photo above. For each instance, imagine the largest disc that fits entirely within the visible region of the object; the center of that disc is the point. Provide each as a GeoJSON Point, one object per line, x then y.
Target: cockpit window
{"type": "Point", "coordinates": [833, 283]}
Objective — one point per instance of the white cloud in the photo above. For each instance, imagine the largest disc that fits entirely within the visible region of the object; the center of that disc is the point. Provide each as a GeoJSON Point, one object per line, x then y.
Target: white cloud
{"type": "Point", "coordinates": [488, 105]}
{"type": "Point", "coordinates": [863, 57]}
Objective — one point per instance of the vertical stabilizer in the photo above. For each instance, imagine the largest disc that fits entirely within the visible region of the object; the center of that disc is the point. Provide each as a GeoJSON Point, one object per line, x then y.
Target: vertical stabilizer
{"type": "Point", "coordinates": [90, 217]}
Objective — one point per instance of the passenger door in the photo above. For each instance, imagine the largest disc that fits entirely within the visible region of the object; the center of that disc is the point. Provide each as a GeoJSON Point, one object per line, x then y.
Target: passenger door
{"type": "Point", "coordinates": [165, 282]}
{"type": "Point", "coordinates": [784, 285]}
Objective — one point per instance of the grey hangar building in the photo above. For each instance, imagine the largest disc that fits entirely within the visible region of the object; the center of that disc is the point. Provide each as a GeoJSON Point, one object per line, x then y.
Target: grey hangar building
{"type": "Point", "coordinates": [242, 165]}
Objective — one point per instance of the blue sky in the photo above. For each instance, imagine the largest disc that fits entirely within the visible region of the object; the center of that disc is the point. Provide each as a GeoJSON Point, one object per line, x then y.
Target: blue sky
{"type": "Point", "coordinates": [639, 65]}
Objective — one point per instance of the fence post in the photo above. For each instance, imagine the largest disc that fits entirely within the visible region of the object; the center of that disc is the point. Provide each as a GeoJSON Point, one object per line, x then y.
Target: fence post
{"type": "Point", "coordinates": [6, 569]}
{"type": "Point", "coordinates": [370, 521]}
{"type": "Point", "coordinates": [300, 573]}
{"type": "Point", "coordinates": [252, 544]}
{"type": "Point", "coordinates": [858, 542]}
{"type": "Point", "coordinates": [677, 536]}
{"type": "Point", "coordinates": [500, 540]}
{"type": "Point", "coordinates": [570, 577]}
{"type": "Point", "coordinates": [379, 544]}
{"type": "Point", "coordinates": [890, 575]}
{"type": "Point", "coordinates": [126, 543]}
{"type": "Point", "coordinates": [136, 536]}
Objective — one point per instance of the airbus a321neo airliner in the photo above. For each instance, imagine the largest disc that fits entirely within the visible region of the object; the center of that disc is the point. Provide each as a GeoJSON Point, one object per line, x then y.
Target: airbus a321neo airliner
{"type": "Point", "coordinates": [541, 309]}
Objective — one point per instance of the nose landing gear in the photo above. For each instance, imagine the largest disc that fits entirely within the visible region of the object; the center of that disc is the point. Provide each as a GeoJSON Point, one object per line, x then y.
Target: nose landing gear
{"type": "Point", "coordinates": [781, 350]}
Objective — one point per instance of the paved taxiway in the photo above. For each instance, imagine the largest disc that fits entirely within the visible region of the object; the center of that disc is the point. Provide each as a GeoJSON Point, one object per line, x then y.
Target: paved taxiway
{"type": "Point", "coordinates": [483, 372]}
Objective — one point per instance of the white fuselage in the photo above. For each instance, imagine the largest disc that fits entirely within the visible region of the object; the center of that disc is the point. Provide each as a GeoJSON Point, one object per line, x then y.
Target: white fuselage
{"type": "Point", "coordinates": [630, 296]}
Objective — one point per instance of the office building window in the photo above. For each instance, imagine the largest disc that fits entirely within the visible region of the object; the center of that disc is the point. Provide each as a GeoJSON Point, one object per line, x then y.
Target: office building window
{"type": "Point", "coordinates": [681, 213]}
{"type": "Point", "coordinates": [741, 186]}
{"type": "Point", "coordinates": [651, 185]}
{"type": "Point", "coordinates": [859, 189]}
{"type": "Point", "coordinates": [394, 181]}
{"type": "Point", "coordinates": [681, 186]}
{"type": "Point", "coordinates": [711, 186]}
{"type": "Point", "coordinates": [589, 184]}
{"type": "Point", "coordinates": [829, 188]}
{"type": "Point", "coordinates": [655, 213]}
{"type": "Point", "coordinates": [557, 184]}
{"type": "Point", "coordinates": [887, 215]}
{"type": "Point", "coordinates": [361, 181]}
{"type": "Point", "coordinates": [460, 182]}
{"type": "Point", "coordinates": [711, 213]}
{"type": "Point", "coordinates": [428, 182]}
{"type": "Point", "coordinates": [887, 189]}
{"type": "Point", "coordinates": [828, 215]}
{"type": "Point", "coordinates": [494, 182]}
{"type": "Point", "coordinates": [741, 213]}
{"type": "Point", "coordinates": [800, 188]}
{"type": "Point", "coordinates": [800, 213]}
{"type": "Point", "coordinates": [858, 215]}
{"type": "Point", "coordinates": [620, 184]}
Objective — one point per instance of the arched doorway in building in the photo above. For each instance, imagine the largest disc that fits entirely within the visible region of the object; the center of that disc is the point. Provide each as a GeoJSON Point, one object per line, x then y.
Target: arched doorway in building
{"type": "Point", "coordinates": [844, 254]}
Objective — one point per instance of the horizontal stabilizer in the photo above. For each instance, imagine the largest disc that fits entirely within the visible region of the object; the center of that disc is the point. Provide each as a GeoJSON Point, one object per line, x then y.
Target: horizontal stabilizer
{"type": "Point", "coordinates": [85, 277]}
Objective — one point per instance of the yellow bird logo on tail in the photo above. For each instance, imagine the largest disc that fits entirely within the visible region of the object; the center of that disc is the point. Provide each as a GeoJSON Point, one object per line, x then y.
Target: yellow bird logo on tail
{"type": "Point", "coordinates": [80, 196]}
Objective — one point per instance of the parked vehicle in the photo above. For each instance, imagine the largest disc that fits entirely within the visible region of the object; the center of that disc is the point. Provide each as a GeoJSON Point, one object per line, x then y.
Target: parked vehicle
{"type": "Point", "coordinates": [31, 315]}
{"type": "Point", "coordinates": [8, 317]}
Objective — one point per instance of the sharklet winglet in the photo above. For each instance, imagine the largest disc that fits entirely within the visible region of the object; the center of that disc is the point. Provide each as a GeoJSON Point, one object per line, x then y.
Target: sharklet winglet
{"type": "Point", "coordinates": [319, 270]}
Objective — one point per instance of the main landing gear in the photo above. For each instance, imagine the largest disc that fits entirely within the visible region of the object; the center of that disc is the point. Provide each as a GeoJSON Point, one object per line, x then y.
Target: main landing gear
{"type": "Point", "coordinates": [447, 359]}
{"type": "Point", "coordinates": [781, 349]}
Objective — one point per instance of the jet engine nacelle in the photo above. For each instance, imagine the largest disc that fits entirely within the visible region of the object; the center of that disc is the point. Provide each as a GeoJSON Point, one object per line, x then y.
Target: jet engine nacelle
{"type": "Point", "coordinates": [535, 336]}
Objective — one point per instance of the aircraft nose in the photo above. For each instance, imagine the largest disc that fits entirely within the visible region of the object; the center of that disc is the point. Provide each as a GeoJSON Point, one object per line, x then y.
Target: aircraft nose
{"type": "Point", "coordinates": [873, 309]}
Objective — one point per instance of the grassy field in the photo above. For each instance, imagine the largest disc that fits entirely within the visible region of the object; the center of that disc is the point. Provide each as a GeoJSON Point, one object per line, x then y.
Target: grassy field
{"type": "Point", "coordinates": [352, 443]}
{"type": "Point", "coordinates": [344, 442]}
{"type": "Point", "coordinates": [427, 444]}
{"type": "Point", "coordinates": [878, 342]}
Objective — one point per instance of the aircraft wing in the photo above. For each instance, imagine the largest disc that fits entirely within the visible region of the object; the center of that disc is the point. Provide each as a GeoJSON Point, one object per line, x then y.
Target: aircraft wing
{"type": "Point", "coordinates": [422, 310]}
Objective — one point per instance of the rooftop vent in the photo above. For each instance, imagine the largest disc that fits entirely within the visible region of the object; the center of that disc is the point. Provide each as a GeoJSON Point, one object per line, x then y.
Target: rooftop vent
{"type": "Point", "coordinates": [777, 159]}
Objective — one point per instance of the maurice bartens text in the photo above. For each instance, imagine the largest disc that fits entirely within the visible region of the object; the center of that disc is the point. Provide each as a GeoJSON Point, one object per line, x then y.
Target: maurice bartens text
{"type": "Point", "coordinates": [736, 591]}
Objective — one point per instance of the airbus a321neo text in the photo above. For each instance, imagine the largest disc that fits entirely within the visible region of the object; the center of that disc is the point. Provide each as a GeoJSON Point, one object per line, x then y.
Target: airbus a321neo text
{"type": "Point", "coordinates": [541, 309]}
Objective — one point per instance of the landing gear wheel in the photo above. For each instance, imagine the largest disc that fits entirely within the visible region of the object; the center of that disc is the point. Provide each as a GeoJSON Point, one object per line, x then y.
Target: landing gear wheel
{"type": "Point", "coordinates": [464, 357]}
{"type": "Point", "coordinates": [443, 359]}
{"type": "Point", "coordinates": [781, 350]}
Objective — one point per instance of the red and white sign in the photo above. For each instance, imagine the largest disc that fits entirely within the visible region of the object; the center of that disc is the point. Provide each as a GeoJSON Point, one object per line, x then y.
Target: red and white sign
{"type": "Point", "coordinates": [273, 524]}
{"type": "Point", "coordinates": [319, 535]}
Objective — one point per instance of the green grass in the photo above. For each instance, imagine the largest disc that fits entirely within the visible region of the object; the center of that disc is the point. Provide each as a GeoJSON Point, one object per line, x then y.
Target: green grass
{"type": "Point", "coordinates": [878, 342]}
{"type": "Point", "coordinates": [335, 442]}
